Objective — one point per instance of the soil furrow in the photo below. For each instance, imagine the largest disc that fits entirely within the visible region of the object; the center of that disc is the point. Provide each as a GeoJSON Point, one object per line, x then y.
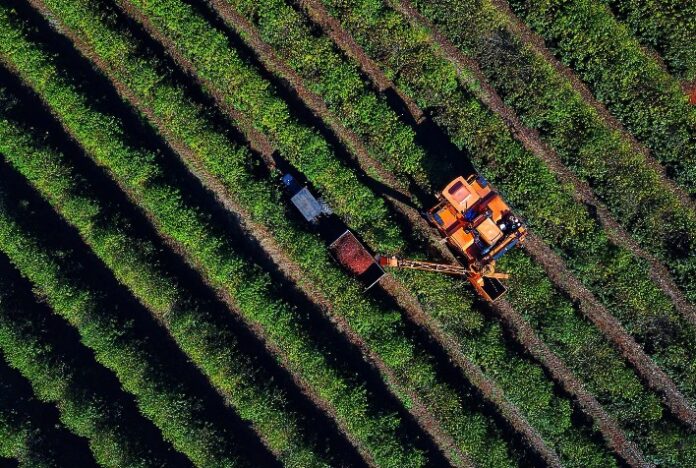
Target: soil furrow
{"type": "Point", "coordinates": [471, 371]}
{"type": "Point", "coordinates": [317, 105]}
{"type": "Point", "coordinates": [294, 272]}
{"type": "Point", "coordinates": [333, 29]}
{"type": "Point", "coordinates": [609, 428]}
{"type": "Point", "coordinates": [257, 141]}
{"type": "Point", "coordinates": [508, 410]}
{"type": "Point", "coordinates": [651, 373]}
{"type": "Point", "coordinates": [289, 268]}
{"type": "Point", "coordinates": [189, 156]}
{"type": "Point", "coordinates": [537, 43]}
{"type": "Point", "coordinates": [532, 142]}
{"type": "Point", "coordinates": [518, 422]}
{"type": "Point", "coordinates": [664, 385]}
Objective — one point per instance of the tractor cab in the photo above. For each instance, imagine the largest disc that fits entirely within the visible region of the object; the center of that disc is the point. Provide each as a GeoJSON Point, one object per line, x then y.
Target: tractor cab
{"type": "Point", "coordinates": [479, 226]}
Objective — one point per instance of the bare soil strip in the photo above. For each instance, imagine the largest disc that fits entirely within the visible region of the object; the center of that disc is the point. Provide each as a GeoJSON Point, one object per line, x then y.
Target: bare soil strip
{"type": "Point", "coordinates": [471, 371]}
{"type": "Point", "coordinates": [333, 29]}
{"type": "Point", "coordinates": [609, 428]}
{"type": "Point", "coordinates": [519, 28]}
{"type": "Point", "coordinates": [291, 269]}
{"type": "Point", "coordinates": [260, 235]}
{"type": "Point", "coordinates": [316, 103]}
{"type": "Point", "coordinates": [651, 373]}
{"type": "Point", "coordinates": [265, 239]}
{"type": "Point", "coordinates": [533, 143]}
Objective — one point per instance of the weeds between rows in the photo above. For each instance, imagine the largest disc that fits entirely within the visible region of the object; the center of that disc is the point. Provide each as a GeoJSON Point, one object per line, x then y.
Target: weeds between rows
{"type": "Point", "coordinates": [548, 104]}
{"type": "Point", "coordinates": [199, 326]}
{"type": "Point", "coordinates": [177, 218]}
{"type": "Point", "coordinates": [370, 36]}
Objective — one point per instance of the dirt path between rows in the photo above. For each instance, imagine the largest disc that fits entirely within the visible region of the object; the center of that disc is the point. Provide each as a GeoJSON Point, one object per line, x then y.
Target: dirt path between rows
{"type": "Point", "coordinates": [191, 160]}
{"type": "Point", "coordinates": [554, 265]}
{"type": "Point", "coordinates": [526, 335]}
{"type": "Point", "coordinates": [520, 29]}
{"type": "Point", "coordinates": [335, 31]}
{"type": "Point", "coordinates": [425, 419]}
{"type": "Point", "coordinates": [582, 192]}
{"type": "Point", "coordinates": [292, 271]}
{"type": "Point", "coordinates": [608, 426]}
{"type": "Point", "coordinates": [650, 372]}
{"type": "Point", "coordinates": [317, 105]}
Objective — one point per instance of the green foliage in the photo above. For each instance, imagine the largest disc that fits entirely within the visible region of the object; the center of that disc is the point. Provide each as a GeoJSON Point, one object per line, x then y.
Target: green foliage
{"type": "Point", "coordinates": [382, 329]}
{"type": "Point", "coordinates": [28, 342]}
{"type": "Point", "coordinates": [598, 364]}
{"type": "Point", "coordinates": [327, 73]}
{"type": "Point", "coordinates": [633, 86]}
{"type": "Point", "coordinates": [26, 433]}
{"type": "Point", "coordinates": [242, 87]}
{"type": "Point", "coordinates": [534, 394]}
{"type": "Point", "coordinates": [176, 408]}
{"type": "Point", "coordinates": [668, 26]}
{"type": "Point", "coordinates": [139, 264]}
{"type": "Point", "coordinates": [547, 103]}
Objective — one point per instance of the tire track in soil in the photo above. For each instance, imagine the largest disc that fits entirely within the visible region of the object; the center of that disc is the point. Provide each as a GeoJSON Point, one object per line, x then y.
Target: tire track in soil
{"type": "Point", "coordinates": [264, 240]}
{"type": "Point", "coordinates": [430, 424]}
{"type": "Point", "coordinates": [537, 43]}
{"type": "Point", "coordinates": [531, 140]}
{"type": "Point", "coordinates": [261, 236]}
{"type": "Point", "coordinates": [609, 428]}
{"type": "Point", "coordinates": [553, 264]}
{"type": "Point", "coordinates": [317, 105]}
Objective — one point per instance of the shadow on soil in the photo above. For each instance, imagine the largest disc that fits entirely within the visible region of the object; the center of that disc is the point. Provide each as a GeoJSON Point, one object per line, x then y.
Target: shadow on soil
{"type": "Point", "coordinates": [452, 162]}
{"type": "Point", "coordinates": [93, 376]}
{"type": "Point", "coordinates": [105, 189]}
{"type": "Point", "coordinates": [69, 449]}
{"type": "Point", "coordinates": [85, 269]}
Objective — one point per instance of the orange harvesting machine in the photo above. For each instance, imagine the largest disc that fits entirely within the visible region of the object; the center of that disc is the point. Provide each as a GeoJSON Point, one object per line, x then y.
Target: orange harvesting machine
{"type": "Point", "coordinates": [473, 219]}
{"type": "Point", "coordinates": [478, 226]}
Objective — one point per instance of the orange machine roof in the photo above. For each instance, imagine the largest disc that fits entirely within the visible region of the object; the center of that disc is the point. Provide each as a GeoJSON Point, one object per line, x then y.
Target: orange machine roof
{"type": "Point", "coordinates": [460, 194]}
{"type": "Point", "coordinates": [462, 240]}
{"type": "Point", "coordinates": [489, 231]}
{"type": "Point", "coordinates": [448, 217]}
{"type": "Point", "coordinates": [498, 207]}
